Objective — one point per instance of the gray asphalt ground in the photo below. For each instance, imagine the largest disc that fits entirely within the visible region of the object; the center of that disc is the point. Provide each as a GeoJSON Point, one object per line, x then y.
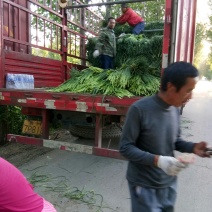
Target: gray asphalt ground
{"type": "Point", "coordinates": [195, 184]}
{"type": "Point", "coordinates": [65, 172]}
{"type": "Point", "coordinates": [76, 182]}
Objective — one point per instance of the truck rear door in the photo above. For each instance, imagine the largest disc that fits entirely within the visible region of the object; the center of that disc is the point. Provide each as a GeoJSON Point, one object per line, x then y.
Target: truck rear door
{"type": "Point", "coordinates": [179, 32]}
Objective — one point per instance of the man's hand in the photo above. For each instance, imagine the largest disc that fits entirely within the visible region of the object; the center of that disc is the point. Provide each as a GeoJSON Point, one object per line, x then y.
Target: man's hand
{"type": "Point", "coordinates": [170, 165]}
{"type": "Point", "coordinates": [96, 53]}
{"type": "Point", "coordinates": [200, 149]}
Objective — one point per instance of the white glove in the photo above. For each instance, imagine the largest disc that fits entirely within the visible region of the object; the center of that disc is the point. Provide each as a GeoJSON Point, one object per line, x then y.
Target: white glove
{"type": "Point", "coordinates": [96, 53]}
{"type": "Point", "coordinates": [122, 34]}
{"type": "Point", "coordinates": [170, 165]}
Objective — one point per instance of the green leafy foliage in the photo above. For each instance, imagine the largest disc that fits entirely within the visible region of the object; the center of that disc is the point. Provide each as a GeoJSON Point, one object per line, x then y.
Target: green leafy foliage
{"type": "Point", "coordinates": [122, 82]}
{"type": "Point", "coordinates": [209, 35]}
{"type": "Point", "coordinates": [199, 37]}
{"type": "Point", "coordinates": [154, 10]}
{"type": "Point", "coordinates": [11, 119]}
{"type": "Point", "coordinates": [151, 11]}
{"type": "Point", "coordinates": [138, 58]}
{"type": "Point", "coordinates": [90, 48]}
{"type": "Point", "coordinates": [134, 46]}
{"type": "Point", "coordinates": [153, 29]}
{"type": "Point", "coordinates": [137, 49]}
{"type": "Point", "coordinates": [125, 28]}
{"type": "Point", "coordinates": [41, 23]}
{"type": "Point", "coordinates": [137, 67]}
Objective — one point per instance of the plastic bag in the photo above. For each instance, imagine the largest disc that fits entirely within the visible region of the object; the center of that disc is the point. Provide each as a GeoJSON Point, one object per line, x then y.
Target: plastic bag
{"type": "Point", "coordinates": [20, 81]}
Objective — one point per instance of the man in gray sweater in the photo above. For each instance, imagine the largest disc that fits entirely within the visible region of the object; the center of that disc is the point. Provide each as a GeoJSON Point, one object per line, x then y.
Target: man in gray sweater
{"type": "Point", "coordinates": [150, 135]}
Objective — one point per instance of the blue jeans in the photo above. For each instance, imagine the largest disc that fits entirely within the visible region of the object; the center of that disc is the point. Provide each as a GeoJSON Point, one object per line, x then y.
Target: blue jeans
{"type": "Point", "coordinates": [138, 28]}
{"type": "Point", "coordinates": [106, 61]}
{"type": "Point", "coordinates": [152, 200]}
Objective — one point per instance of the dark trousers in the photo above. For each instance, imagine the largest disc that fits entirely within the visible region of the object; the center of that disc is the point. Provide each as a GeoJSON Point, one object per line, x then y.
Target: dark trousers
{"type": "Point", "coordinates": [152, 200]}
{"type": "Point", "coordinates": [106, 61]}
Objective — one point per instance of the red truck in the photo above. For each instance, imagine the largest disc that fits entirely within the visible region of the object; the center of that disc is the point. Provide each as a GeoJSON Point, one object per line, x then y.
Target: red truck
{"type": "Point", "coordinates": [29, 26]}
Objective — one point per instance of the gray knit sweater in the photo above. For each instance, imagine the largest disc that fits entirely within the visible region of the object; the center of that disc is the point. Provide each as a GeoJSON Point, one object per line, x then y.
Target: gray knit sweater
{"type": "Point", "coordinates": [152, 127]}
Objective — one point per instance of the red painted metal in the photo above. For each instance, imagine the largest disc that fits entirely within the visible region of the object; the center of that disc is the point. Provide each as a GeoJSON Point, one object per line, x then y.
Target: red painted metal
{"type": "Point", "coordinates": [31, 111]}
{"type": "Point", "coordinates": [1, 46]}
{"type": "Point", "coordinates": [167, 27]}
{"type": "Point", "coordinates": [45, 123]}
{"type": "Point", "coordinates": [98, 131]}
{"type": "Point", "coordinates": [187, 38]}
{"type": "Point", "coordinates": [166, 34]}
{"type": "Point", "coordinates": [179, 30]}
{"type": "Point", "coordinates": [107, 153]}
{"type": "Point", "coordinates": [66, 101]}
{"type": "Point", "coordinates": [46, 72]}
{"type": "Point", "coordinates": [63, 41]}
{"type": "Point", "coordinates": [41, 142]}
{"type": "Point", "coordinates": [62, 148]}
{"type": "Point", "coordinates": [186, 30]}
{"type": "Point", "coordinates": [50, 72]}
{"type": "Point", "coordinates": [49, 33]}
{"type": "Point", "coordinates": [15, 24]}
{"type": "Point", "coordinates": [193, 29]}
{"type": "Point", "coordinates": [25, 140]}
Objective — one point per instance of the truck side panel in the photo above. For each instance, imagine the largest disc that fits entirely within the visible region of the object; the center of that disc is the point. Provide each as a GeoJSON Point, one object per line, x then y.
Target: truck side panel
{"type": "Point", "coordinates": [46, 72]}
{"type": "Point", "coordinates": [49, 72]}
{"type": "Point", "coordinates": [185, 31]}
{"type": "Point", "coordinates": [179, 31]}
{"type": "Point", "coordinates": [33, 29]}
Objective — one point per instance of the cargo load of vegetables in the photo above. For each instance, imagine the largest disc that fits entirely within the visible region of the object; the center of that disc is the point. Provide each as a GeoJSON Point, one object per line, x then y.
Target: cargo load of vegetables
{"type": "Point", "coordinates": [151, 29]}
{"type": "Point", "coordinates": [136, 73]}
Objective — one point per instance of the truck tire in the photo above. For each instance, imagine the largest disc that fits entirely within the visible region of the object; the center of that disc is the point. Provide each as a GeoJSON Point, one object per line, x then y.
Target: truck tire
{"type": "Point", "coordinates": [110, 131]}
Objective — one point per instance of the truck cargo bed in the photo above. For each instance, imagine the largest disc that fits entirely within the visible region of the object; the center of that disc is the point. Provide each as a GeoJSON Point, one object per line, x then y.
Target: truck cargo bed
{"type": "Point", "coordinates": [39, 98]}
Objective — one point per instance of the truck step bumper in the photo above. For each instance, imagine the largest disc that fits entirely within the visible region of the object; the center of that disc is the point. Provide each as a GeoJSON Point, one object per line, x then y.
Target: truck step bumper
{"type": "Point", "coordinates": [62, 145]}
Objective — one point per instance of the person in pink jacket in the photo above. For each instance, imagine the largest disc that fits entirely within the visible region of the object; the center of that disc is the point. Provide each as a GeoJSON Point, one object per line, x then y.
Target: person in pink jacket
{"type": "Point", "coordinates": [132, 18]}
{"type": "Point", "coordinates": [17, 194]}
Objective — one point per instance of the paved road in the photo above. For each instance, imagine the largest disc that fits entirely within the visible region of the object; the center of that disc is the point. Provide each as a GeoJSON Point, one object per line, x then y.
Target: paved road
{"type": "Point", "coordinates": [61, 170]}
{"type": "Point", "coordinates": [195, 184]}
{"type": "Point", "coordinates": [104, 178]}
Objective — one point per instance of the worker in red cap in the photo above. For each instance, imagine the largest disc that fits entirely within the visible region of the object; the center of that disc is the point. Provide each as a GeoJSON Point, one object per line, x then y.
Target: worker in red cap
{"type": "Point", "coordinates": [132, 18]}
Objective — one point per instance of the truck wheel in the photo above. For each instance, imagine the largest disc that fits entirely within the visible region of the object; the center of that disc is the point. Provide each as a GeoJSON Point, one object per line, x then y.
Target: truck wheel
{"type": "Point", "coordinates": [110, 131]}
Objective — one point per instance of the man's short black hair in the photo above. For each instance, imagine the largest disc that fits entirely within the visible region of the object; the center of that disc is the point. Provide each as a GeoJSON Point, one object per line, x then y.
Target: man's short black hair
{"type": "Point", "coordinates": [177, 74]}
{"type": "Point", "coordinates": [124, 5]}
{"type": "Point", "coordinates": [110, 19]}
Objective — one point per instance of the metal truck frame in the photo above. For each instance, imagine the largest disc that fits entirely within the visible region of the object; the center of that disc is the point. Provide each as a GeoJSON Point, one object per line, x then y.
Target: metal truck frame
{"type": "Point", "coordinates": [18, 40]}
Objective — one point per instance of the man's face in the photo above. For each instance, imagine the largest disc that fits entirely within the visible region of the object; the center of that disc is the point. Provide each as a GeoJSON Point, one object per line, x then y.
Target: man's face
{"type": "Point", "coordinates": [123, 9]}
{"type": "Point", "coordinates": [179, 98]}
{"type": "Point", "coordinates": [111, 24]}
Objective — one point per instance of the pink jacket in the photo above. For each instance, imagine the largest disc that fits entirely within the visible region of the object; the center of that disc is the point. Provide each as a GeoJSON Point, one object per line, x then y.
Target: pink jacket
{"type": "Point", "coordinates": [16, 194]}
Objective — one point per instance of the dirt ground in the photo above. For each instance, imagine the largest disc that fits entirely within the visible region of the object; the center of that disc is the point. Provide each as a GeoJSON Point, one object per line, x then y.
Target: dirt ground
{"type": "Point", "coordinates": [19, 154]}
